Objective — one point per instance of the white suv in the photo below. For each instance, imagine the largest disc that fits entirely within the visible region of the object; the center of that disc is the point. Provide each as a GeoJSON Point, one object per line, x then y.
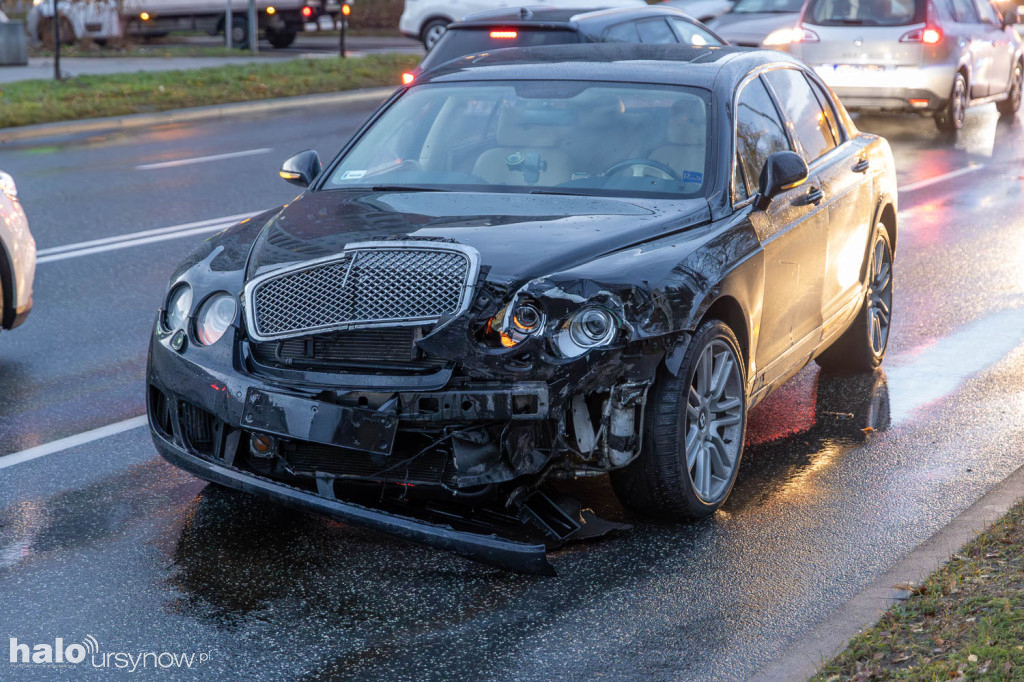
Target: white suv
{"type": "Point", "coordinates": [17, 257]}
{"type": "Point", "coordinates": [427, 20]}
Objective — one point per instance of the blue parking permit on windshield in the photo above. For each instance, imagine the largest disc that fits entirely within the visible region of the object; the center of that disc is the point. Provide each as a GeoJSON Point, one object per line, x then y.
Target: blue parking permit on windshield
{"type": "Point", "coordinates": [693, 176]}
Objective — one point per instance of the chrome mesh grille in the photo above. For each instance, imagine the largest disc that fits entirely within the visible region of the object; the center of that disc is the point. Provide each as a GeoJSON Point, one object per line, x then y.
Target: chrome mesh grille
{"type": "Point", "coordinates": [363, 287]}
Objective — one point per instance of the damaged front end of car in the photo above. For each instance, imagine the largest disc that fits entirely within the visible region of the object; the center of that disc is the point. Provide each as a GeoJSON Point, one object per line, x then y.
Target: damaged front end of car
{"type": "Point", "coordinates": [393, 386]}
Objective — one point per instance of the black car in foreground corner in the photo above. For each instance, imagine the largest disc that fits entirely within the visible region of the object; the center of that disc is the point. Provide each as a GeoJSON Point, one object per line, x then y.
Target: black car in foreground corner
{"type": "Point", "coordinates": [532, 265]}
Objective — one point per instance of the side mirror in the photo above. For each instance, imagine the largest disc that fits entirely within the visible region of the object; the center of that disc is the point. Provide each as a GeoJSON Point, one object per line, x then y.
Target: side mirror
{"type": "Point", "coordinates": [302, 168]}
{"type": "Point", "coordinates": [782, 171]}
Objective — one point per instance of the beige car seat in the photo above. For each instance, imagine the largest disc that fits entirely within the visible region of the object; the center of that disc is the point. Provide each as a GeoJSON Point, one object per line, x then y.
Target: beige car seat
{"type": "Point", "coordinates": [527, 153]}
{"type": "Point", "coordinates": [687, 141]}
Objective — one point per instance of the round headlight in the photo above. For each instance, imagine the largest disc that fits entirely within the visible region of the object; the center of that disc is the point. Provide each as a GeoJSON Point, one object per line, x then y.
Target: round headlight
{"type": "Point", "coordinates": [179, 302]}
{"type": "Point", "coordinates": [527, 317]}
{"type": "Point", "coordinates": [589, 328]}
{"type": "Point", "coordinates": [214, 317]}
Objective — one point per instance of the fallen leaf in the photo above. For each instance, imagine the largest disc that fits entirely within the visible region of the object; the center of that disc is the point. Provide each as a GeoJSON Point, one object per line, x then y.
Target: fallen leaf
{"type": "Point", "coordinates": [868, 429]}
{"type": "Point", "coordinates": [972, 658]}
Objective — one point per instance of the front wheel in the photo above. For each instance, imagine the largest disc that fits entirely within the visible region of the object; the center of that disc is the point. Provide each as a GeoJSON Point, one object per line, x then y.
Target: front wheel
{"type": "Point", "coordinates": [281, 39]}
{"type": "Point", "coordinates": [693, 432]}
{"type": "Point", "coordinates": [1010, 105]}
{"type": "Point", "coordinates": [951, 118]}
{"type": "Point", "coordinates": [861, 348]}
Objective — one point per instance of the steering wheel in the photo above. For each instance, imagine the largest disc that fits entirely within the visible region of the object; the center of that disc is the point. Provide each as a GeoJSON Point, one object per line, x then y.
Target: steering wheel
{"type": "Point", "coordinates": [665, 170]}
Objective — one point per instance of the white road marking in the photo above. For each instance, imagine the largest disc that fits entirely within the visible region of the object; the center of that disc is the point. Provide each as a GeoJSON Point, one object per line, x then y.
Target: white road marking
{"type": "Point", "coordinates": [939, 178]}
{"type": "Point", "coordinates": [203, 159]}
{"type": "Point", "coordinates": [138, 238]}
{"type": "Point", "coordinates": [71, 441]}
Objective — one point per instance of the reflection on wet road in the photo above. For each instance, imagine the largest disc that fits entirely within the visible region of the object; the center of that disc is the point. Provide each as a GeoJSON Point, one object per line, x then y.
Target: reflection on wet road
{"type": "Point", "coordinates": [841, 478]}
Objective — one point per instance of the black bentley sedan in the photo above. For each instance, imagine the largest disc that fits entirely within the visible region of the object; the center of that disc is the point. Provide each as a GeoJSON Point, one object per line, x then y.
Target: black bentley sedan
{"type": "Point", "coordinates": [532, 265]}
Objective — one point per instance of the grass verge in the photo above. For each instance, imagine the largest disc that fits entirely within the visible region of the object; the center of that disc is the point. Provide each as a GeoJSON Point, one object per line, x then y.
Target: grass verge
{"type": "Point", "coordinates": [39, 101]}
{"type": "Point", "coordinates": [965, 622]}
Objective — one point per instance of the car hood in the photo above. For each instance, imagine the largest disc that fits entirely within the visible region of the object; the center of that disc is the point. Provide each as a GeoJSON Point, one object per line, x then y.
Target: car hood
{"type": "Point", "coordinates": [519, 236]}
{"type": "Point", "coordinates": [750, 28]}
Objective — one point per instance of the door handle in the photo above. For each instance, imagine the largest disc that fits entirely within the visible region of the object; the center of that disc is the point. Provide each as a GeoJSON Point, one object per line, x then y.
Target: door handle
{"type": "Point", "coordinates": [861, 166]}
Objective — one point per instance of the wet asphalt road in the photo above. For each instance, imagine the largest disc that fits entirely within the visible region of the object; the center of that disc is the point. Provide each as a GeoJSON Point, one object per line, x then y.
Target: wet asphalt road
{"type": "Point", "coordinates": [107, 540]}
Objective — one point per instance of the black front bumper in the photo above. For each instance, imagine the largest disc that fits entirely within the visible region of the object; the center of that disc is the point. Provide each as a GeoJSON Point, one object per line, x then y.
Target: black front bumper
{"type": "Point", "coordinates": [488, 549]}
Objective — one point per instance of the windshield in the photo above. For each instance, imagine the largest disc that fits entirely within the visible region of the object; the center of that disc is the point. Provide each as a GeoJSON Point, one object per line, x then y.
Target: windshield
{"type": "Point", "coordinates": [536, 136]}
{"type": "Point", "coordinates": [458, 42]}
{"type": "Point", "coordinates": [767, 6]}
{"type": "Point", "coordinates": [865, 12]}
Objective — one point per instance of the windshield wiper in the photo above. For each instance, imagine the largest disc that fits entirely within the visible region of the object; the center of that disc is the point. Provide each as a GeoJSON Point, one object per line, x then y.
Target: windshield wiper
{"type": "Point", "coordinates": [407, 188]}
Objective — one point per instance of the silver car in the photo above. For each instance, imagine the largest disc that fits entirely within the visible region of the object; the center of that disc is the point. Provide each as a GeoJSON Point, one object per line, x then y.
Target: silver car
{"type": "Point", "coordinates": [932, 56]}
{"type": "Point", "coordinates": [17, 257]}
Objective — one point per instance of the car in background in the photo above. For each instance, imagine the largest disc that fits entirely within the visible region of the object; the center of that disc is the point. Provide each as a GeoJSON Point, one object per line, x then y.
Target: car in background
{"type": "Point", "coordinates": [535, 26]}
{"type": "Point", "coordinates": [17, 257]}
{"type": "Point", "coordinates": [937, 57]}
{"type": "Point", "coordinates": [749, 22]}
{"type": "Point", "coordinates": [701, 10]}
{"type": "Point", "coordinates": [535, 265]}
{"type": "Point", "coordinates": [427, 20]}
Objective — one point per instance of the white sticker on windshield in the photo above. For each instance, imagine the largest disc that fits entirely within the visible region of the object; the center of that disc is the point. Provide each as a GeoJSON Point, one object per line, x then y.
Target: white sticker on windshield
{"type": "Point", "coordinates": [353, 174]}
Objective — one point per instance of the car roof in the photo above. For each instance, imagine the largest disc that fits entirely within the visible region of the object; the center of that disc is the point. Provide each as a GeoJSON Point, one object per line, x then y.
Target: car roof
{"type": "Point", "coordinates": [564, 18]}
{"type": "Point", "coordinates": [626, 62]}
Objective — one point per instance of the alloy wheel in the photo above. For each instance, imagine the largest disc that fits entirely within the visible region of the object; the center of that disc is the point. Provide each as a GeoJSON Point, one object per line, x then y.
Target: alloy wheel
{"type": "Point", "coordinates": [714, 421]}
{"type": "Point", "coordinates": [434, 34]}
{"type": "Point", "coordinates": [959, 109]}
{"type": "Point", "coordinates": [1015, 87]}
{"type": "Point", "coordinates": [879, 296]}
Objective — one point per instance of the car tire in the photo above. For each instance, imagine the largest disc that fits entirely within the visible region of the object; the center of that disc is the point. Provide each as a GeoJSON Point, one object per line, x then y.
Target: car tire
{"type": "Point", "coordinates": [693, 432]}
{"type": "Point", "coordinates": [861, 348]}
{"type": "Point", "coordinates": [239, 32]}
{"type": "Point", "coordinates": [281, 39]}
{"type": "Point", "coordinates": [432, 32]}
{"type": "Point", "coordinates": [1010, 105]}
{"type": "Point", "coordinates": [951, 118]}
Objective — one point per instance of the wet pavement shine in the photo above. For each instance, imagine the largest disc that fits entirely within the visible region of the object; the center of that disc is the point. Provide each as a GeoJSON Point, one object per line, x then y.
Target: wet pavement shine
{"type": "Point", "coordinates": [841, 476]}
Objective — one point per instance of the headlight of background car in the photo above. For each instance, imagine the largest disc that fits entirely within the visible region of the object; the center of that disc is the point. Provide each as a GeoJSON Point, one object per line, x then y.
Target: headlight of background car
{"type": "Point", "coordinates": [590, 328]}
{"type": "Point", "coordinates": [179, 302]}
{"type": "Point", "coordinates": [214, 317]}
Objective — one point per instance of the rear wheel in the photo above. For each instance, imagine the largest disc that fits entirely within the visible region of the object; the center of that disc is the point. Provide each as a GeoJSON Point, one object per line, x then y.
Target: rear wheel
{"type": "Point", "coordinates": [861, 348]}
{"type": "Point", "coordinates": [239, 32]}
{"type": "Point", "coordinates": [432, 32]}
{"type": "Point", "coordinates": [693, 432]}
{"type": "Point", "coordinates": [281, 39]}
{"type": "Point", "coordinates": [951, 118]}
{"type": "Point", "coordinates": [1010, 105]}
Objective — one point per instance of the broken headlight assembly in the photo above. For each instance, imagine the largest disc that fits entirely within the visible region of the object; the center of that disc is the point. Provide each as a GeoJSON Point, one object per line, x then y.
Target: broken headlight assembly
{"type": "Point", "coordinates": [518, 322]}
{"type": "Point", "coordinates": [589, 328]}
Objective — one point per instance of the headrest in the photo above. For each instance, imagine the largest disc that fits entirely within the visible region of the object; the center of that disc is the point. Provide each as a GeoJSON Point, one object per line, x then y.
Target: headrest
{"type": "Point", "coordinates": [532, 127]}
{"type": "Point", "coordinates": [687, 123]}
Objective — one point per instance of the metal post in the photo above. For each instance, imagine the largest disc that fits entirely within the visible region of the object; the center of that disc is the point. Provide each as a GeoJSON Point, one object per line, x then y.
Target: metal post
{"type": "Point", "coordinates": [56, 42]}
{"type": "Point", "coordinates": [254, 31]}
{"type": "Point", "coordinates": [228, 43]}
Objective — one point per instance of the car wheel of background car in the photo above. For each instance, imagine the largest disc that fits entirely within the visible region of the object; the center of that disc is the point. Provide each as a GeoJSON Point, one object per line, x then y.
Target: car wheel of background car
{"type": "Point", "coordinates": [1010, 105]}
{"type": "Point", "coordinates": [693, 432]}
{"type": "Point", "coordinates": [67, 32]}
{"type": "Point", "coordinates": [432, 32]}
{"type": "Point", "coordinates": [240, 32]}
{"type": "Point", "coordinates": [281, 39]}
{"type": "Point", "coordinates": [862, 346]}
{"type": "Point", "coordinates": [951, 118]}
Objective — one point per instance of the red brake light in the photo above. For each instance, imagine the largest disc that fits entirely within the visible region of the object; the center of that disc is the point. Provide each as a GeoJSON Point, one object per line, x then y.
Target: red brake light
{"type": "Point", "coordinates": [407, 78]}
{"type": "Point", "coordinates": [504, 35]}
{"type": "Point", "coordinates": [931, 36]}
{"type": "Point", "coordinates": [307, 11]}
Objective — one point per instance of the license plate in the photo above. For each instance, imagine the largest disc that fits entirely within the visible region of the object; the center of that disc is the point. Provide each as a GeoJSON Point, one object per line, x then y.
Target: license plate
{"type": "Point", "coordinates": [313, 420]}
{"type": "Point", "coordinates": [855, 68]}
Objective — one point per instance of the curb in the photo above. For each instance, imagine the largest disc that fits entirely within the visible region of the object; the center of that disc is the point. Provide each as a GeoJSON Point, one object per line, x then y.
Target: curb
{"type": "Point", "coordinates": [822, 642]}
{"type": "Point", "coordinates": [128, 122]}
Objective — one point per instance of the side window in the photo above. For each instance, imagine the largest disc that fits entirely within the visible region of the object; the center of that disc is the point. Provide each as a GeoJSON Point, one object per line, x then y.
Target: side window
{"type": "Point", "coordinates": [739, 183]}
{"type": "Point", "coordinates": [964, 12]}
{"type": "Point", "coordinates": [656, 31]}
{"type": "Point", "coordinates": [810, 126]}
{"type": "Point", "coordinates": [691, 34]}
{"type": "Point", "coordinates": [759, 131]}
{"type": "Point", "coordinates": [825, 100]}
{"type": "Point", "coordinates": [988, 13]}
{"type": "Point", "coordinates": [622, 33]}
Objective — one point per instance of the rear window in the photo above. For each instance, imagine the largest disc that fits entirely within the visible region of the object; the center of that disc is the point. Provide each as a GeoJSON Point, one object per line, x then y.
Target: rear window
{"type": "Point", "coordinates": [865, 12]}
{"type": "Point", "coordinates": [462, 41]}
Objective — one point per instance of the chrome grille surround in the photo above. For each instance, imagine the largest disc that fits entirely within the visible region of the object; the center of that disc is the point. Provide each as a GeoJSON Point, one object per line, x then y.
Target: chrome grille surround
{"type": "Point", "coordinates": [369, 284]}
